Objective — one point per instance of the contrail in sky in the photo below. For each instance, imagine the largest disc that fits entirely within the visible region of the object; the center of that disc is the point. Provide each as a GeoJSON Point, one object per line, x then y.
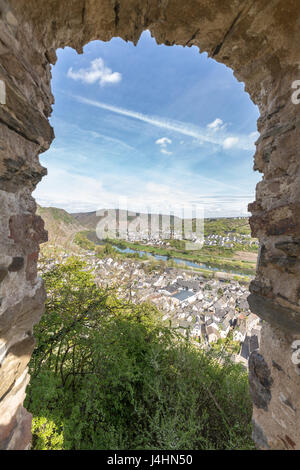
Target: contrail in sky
{"type": "Point", "coordinates": [241, 142]}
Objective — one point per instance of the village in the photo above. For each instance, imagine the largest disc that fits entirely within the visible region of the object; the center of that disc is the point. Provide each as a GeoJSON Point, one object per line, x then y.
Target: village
{"type": "Point", "coordinates": [208, 310]}
{"type": "Point", "coordinates": [228, 241]}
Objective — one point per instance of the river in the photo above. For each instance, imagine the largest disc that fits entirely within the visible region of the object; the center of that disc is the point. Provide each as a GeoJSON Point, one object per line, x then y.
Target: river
{"type": "Point", "coordinates": [176, 260]}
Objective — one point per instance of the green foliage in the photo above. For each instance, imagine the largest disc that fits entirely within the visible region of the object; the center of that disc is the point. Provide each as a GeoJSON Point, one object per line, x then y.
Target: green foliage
{"type": "Point", "coordinates": [46, 434]}
{"type": "Point", "coordinates": [220, 292]}
{"type": "Point", "coordinates": [81, 240]}
{"type": "Point", "coordinates": [227, 344]}
{"type": "Point", "coordinates": [109, 250]}
{"type": "Point", "coordinates": [223, 225]}
{"type": "Point", "coordinates": [178, 244]}
{"type": "Point", "coordinates": [107, 374]}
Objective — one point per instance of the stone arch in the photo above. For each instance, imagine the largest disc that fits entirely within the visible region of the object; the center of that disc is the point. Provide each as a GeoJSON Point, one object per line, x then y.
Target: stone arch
{"type": "Point", "coordinates": [259, 41]}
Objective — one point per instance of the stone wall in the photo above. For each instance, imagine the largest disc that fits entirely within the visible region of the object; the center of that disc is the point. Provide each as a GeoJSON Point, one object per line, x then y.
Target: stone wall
{"type": "Point", "coordinates": [259, 40]}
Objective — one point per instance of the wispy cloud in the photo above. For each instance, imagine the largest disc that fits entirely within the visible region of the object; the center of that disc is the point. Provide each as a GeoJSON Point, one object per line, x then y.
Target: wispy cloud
{"type": "Point", "coordinates": [97, 134]}
{"type": "Point", "coordinates": [243, 142]}
{"type": "Point", "coordinates": [81, 132]}
{"type": "Point", "coordinates": [97, 72]}
{"type": "Point", "coordinates": [166, 152]}
{"type": "Point", "coordinates": [66, 188]}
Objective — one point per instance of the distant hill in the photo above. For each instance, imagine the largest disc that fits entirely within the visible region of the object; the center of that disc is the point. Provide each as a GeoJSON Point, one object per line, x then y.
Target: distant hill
{"type": "Point", "coordinates": [220, 226]}
{"type": "Point", "coordinates": [61, 225]}
{"type": "Point", "coordinates": [87, 219]}
{"type": "Point", "coordinates": [91, 219]}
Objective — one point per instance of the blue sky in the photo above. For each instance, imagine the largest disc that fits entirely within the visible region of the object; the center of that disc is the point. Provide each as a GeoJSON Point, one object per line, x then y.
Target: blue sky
{"type": "Point", "coordinates": [148, 127]}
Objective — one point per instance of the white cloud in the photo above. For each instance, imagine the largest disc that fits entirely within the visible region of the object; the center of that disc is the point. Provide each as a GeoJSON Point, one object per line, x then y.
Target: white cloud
{"type": "Point", "coordinates": [216, 125]}
{"type": "Point", "coordinates": [230, 142]}
{"type": "Point", "coordinates": [163, 141]}
{"type": "Point", "coordinates": [96, 72]}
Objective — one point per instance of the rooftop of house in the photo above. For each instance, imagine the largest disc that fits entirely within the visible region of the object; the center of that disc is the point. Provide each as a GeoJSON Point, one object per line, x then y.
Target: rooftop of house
{"type": "Point", "coordinates": [183, 295]}
{"type": "Point", "coordinates": [245, 352]}
{"type": "Point", "coordinates": [211, 330]}
{"type": "Point", "coordinates": [189, 284]}
{"type": "Point", "coordinates": [220, 312]}
{"type": "Point", "coordinates": [171, 288]}
{"type": "Point", "coordinates": [250, 344]}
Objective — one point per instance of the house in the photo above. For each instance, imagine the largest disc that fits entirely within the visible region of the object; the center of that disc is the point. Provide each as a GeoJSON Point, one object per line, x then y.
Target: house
{"type": "Point", "coordinates": [220, 312]}
{"type": "Point", "coordinates": [171, 289]}
{"type": "Point", "coordinates": [189, 285]}
{"type": "Point", "coordinates": [256, 332]}
{"type": "Point", "coordinates": [196, 330]}
{"type": "Point", "coordinates": [212, 323]}
{"type": "Point", "coordinates": [241, 319]}
{"type": "Point", "coordinates": [212, 334]}
{"type": "Point", "coordinates": [224, 328]}
{"type": "Point", "coordinates": [242, 302]}
{"type": "Point", "coordinates": [231, 317]}
{"type": "Point", "coordinates": [252, 321]}
{"type": "Point", "coordinates": [206, 316]}
{"type": "Point", "coordinates": [185, 296]}
{"type": "Point", "coordinates": [184, 327]}
{"type": "Point", "coordinates": [249, 345]}
{"type": "Point", "coordinates": [240, 334]}
{"type": "Point", "coordinates": [159, 282]}
{"type": "Point", "coordinates": [181, 315]}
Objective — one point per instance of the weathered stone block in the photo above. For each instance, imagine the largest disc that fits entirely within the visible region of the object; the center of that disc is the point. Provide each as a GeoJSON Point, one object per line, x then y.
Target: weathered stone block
{"type": "Point", "coordinates": [27, 230]}
{"type": "Point", "coordinates": [260, 381]}
{"type": "Point", "coordinates": [16, 264]}
{"type": "Point", "coordinates": [3, 273]}
{"type": "Point", "coordinates": [275, 314]}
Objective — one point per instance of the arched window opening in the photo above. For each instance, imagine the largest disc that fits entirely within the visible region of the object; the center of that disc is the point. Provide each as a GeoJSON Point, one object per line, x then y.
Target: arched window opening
{"type": "Point", "coordinates": [149, 139]}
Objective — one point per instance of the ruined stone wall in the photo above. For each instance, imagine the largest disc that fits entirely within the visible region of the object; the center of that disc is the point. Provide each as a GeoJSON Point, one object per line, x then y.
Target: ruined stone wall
{"type": "Point", "coordinates": [260, 41]}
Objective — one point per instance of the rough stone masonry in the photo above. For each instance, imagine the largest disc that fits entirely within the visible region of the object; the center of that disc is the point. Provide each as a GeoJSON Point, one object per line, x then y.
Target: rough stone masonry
{"type": "Point", "coordinates": [260, 41]}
